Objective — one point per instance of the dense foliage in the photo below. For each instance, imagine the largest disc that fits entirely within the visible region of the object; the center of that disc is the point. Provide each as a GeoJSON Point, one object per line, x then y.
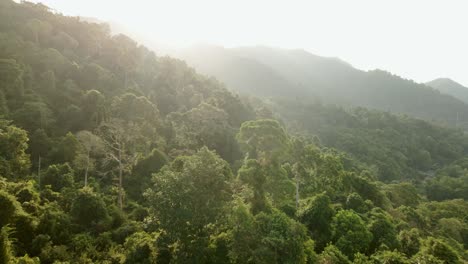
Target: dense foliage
{"type": "Point", "coordinates": [110, 154]}
{"type": "Point", "coordinates": [398, 146]}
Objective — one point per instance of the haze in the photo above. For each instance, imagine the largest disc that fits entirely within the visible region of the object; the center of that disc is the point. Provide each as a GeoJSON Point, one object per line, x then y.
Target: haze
{"type": "Point", "coordinates": [420, 40]}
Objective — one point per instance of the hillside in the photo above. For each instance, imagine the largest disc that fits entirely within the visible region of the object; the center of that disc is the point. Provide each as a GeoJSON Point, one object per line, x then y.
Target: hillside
{"type": "Point", "coordinates": [397, 147]}
{"type": "Point", "coordinates": [450, 87]}
{"type": "Point", "coordinates": [330, 79]}
{"type": "Point", "coordinates": [111, 154]}
{"type": "Point", "coordinates": [241, 74]}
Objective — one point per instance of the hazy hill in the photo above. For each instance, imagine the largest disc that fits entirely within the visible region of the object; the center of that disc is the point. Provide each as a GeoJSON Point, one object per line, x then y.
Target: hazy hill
{"type": "Point", "coordinates": [116, 28]}
{"type": "Point", "coordinates": [297, 73]}
{"type": "Point", "coordinates": [448, 86]}
{"type": "Point", "coordinates": [240, 73]}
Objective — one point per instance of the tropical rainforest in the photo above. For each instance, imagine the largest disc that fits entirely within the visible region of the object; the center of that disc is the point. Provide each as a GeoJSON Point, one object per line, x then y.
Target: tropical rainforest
{"type": "Point", "coordinates": [112, 154]}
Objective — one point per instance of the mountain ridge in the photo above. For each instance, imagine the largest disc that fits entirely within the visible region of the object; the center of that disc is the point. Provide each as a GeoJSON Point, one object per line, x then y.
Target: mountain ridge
{"type": "Point", "coordinates": [331, 80]}
{"type": "Point", "coordinates": [450, 87]}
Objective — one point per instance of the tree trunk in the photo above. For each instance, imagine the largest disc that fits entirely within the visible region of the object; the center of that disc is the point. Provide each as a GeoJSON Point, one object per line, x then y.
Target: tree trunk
{"type": "Point", "coordinates": [120, 180]}
{"type": "Point", "coordinates": [126, 79]}
{"type": "Point", "coordinates": [297, 189]}
{"type": "Point", "coordinates": [39, 171]}
{"type": "Point", "coordinates": [86, 171]}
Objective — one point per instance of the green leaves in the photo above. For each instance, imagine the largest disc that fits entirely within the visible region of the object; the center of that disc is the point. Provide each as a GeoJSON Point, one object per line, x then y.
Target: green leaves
{"type": "Point", "coordinates": [268, 237]}
{"type": "Point", "coordinates": [440, 250]}
{"type": "Point", "coordinates": [59, 176]}
{"type": "Point", "coordinates": [265, 140]}
{"type": "Point", "coordinates": [6, 248]}
{"type": "Point", "coordinates": [88, 208]}
{"type": "Point", "coordinates": [188, 196]}
{"type": "Point", "coordinates": [14, 162]}
{"type": "Point", "coordinates": [103, 106]}
{"type": "Point", "coordinates": [350, 233]}
{"type": "Point", "coordinates": [10, 208]}
{"type": "Point", "coordinates": [132, 108]}
{"type": "Point", "coordinates": [141, 248]}
{"type": "Point", "coordinates": [316, 214]}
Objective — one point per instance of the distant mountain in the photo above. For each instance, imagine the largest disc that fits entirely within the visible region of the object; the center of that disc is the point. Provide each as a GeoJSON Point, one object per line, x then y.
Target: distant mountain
{"type": "Point", "coordinates": [448, 86]}
{"type": "Point", "coordinates": [272, 72]}
{"type": "Point", "coordinates": [240, 73]}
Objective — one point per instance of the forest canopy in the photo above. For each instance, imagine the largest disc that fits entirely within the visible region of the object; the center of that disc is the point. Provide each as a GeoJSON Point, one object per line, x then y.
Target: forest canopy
{"type": "Point", "coordinates": [112, 154]}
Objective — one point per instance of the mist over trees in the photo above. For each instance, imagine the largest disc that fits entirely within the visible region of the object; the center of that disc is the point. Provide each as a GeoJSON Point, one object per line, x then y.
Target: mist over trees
{"type": "Point", "coordinates": [112, 154]}
{"type": "Point", "coordinates": [297, 74]}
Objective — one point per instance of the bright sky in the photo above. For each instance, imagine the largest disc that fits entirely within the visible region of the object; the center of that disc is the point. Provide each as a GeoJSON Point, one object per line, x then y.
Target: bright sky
{"type": "Point", "coordinates": [416, 39]}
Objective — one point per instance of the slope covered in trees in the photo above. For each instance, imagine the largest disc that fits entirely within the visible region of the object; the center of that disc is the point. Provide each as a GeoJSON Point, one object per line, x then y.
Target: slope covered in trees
{"type": "Point", "coordinates": [110, 154]}
{"type": "Point", "coordinates": [241, 74]}
{"type": "Point", "coordinates": [397, 147]}
{"type": "Point", "coordinates": [328, 79]}
{"type": "Point", "coordinates": [450, 87]}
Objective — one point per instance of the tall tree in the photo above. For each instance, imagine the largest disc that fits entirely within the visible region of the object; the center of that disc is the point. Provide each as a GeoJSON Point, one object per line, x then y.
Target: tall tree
{"type": "Point", "coordinates": [118, 138]}
{"type": "Point", "coordinates": [350, 233]}
{"type": "Point", "coordinates": [14, 162]}
{"type": "Point", "coordinates": [11, 82]}
{"type": "Point", "coordinates": [91, 144]}
{"type": "Point", "coordinates": [187, 219]}
{"type": "Point", "coordinates": [316, 214]}
{"type": "Point", "coordinates": [264, 140]}
{"type": "Point", "coordinates": [6, 247]}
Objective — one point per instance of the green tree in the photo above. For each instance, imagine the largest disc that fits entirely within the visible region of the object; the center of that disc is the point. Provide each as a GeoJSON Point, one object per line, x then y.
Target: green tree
{"type": "Point", "coordinates": [390, 257]}
{"type": "Point", "coordinates": [88, 208]}
{"type": "Point", "coordinates": [40, 145]}
{"type": "Point", "coordinates": [58, 176]}
{"type": "Point", "coordinates": [33, 115]}
{"type": "Point", "coordinates": [3, 105]}
{"type": "Point", "coordinates": [141, 248]}
{"type": "Point", "coordinates": [355, 202]}
{"type": "Point", "coordinates": [403, 193]}
{"type": "Point", "coordinates": [331, 254]}
{"type": "Point", "coordinates": [63, 42]}
{"type": "Point", "coordinates": [14, 162]}
{"type": "Point", "coordinates": [409, 241]}
{"type": "Point", "coordinates": [6, 248]}
{"type": "Point", "coordinates": [132, 108]}
{"type": "Point", "coordinates": [205, 125]}
{"type": "Point", "coordinates": [66, 149]}
{"type": "Point", "coordinates": [350, 233]}
{"type": "Point", "coordinates": [241, 241]}
{"type": "Point", "coordinates": [119, 139]}
{"type": "Point", "coordinates": [54, 225]}
{"type": "Point", "coordinates": [426, 259]}
{"type": "Point", "coordinates": [11, 82]}
{"type": "Point", "coordinates": [94, 108]}
{"type": "Point", "coordinates": [10, 208]}
{"type": "Point", "coordinates": [283, 240]}
{"type": "Point", "coordinates": [264, 140]}
{"type": "Point", "coordinates": [142, 172]}
{"type": "Point", "coordinates": [453, 228]}
{"type": "Point", "coordinates": [91, 145]}
{"type": "Point", "coordinates": [305, 166]}
{"type": "Point", "coordinates": [39, 29]}
{"type": "Point", "coordinates": [440, 250]}
{"type": "Point", "coordinates": [360, 258]}
{"type": "Point", "coordinates": [267, 237]}
{"type": "Point", "coordinates": [316, 214]}
{"type": "Point", "coordinates": [253, 174]}
{"type": "Point", "coordinates": [203, 175]}
{"type": "Point", "coordinates": [383, 231]}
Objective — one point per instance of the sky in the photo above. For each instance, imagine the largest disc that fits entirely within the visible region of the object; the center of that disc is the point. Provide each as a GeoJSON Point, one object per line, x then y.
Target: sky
{"type": "Point", "coordinates": [416, 39]}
